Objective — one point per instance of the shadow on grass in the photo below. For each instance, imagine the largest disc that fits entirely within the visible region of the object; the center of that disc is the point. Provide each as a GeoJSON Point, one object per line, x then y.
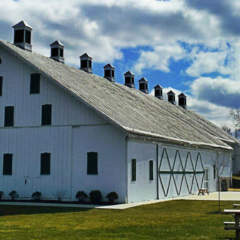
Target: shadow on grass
{"type": "Point", "coordinates": [6, 210]}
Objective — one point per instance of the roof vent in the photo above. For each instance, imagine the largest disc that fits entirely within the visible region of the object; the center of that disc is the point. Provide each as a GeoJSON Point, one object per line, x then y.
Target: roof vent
{"type": "Point", "coordinates": [109, 72]}
{"type": "Point", "coordinates": [22, 35]}
{"type": "Point", "coordinates": [143, 85]}
{"type": "Point", "coordinates": [57, 50]}
{"type": "Point", "coordinates": [158, 92]}
{"type": "Point", "coordinates": [182, 100]}
{"type": "Point", "coordinates": [86, 63]}
{"type": "Point", "coordinates": [129, 79]}
{"type": "Point", "coordinates": [171, 97]}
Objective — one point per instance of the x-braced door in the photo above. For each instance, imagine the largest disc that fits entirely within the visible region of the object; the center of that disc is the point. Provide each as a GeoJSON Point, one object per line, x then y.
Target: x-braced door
{"type": "Point", "coordinates": [179, 176]}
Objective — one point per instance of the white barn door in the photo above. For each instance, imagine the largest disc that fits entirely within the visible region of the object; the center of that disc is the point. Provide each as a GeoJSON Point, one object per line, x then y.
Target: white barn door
{"type": "Point", "coordinates": [180, 172]}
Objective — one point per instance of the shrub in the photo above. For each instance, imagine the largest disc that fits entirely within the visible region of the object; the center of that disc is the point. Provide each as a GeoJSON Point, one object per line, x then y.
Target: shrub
{"type": "Point", "coordinates": [95, 196]}
{"type": "Point", "coordinates": [13, 194]}
{"type": "Point", "coordinates": [112, 196]}
{"type": "Point", "coordinates": [1, 194]}
{"type": "Point", "coordinates": [36, 196]}
{"type": "Point", "coordinates": [81, 196]}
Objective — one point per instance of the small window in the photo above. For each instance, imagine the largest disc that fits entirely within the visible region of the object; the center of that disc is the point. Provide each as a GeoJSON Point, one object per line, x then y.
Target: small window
{"type": "Point", "coordinates": [214, 171]}
{"type": "Point", "coordinates": [7, 164]}
{"type": "Point", "coordinates": [19, 36]}
{"type": "Point", "coordinates": [35, 83]}
{"type": "Point", "coordinates": [133, 169]}
{"type": "Point", "coordinates": [84, 64]}
{"type": "Point", "coordinates": [158, 92]}
{"type": "Point", "coordinates": [47, 114]}
{"type": "Point", "coordinates": [61, 52]}
{"type": "Point", "coordinates": [107, 73]}
{"type": "Point", "coordinates": [0, 60]}
{"type": "Point", "coordinates": [151, 170]}
{"type": "Point", "coordinates": [45, 163]}
{"type": "Point", "coordinates": [182, 101]}
{"type": "Point", "coordinates": [142, 86]}
{"type": "Point", "coordinates": [1, 85]}
{"type": "Point", "coordinates": [54, 52]}
{"type": "Point", "coordinates": [28, 37]}
{"type": "Point", "coordinates": [112, 73]}
{"type": "Point", "coordinates": [9, 116]}
{"type": "Point", "coordinates": [128, 80]}
{"type": "Point", "coordinates": [92, 163]}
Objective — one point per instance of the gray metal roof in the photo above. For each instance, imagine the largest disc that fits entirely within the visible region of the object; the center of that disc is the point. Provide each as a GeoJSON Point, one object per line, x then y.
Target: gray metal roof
{"type": "Point", "coordinates": [130, 109]}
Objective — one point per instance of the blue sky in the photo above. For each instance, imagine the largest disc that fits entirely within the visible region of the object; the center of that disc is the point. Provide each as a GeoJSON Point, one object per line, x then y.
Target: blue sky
{"type": "Point", "coordinates": [190, 46]}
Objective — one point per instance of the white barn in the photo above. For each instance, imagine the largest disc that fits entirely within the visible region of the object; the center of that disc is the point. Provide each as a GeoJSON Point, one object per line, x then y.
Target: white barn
{"type": "Point", "coordinates": [64, 129]}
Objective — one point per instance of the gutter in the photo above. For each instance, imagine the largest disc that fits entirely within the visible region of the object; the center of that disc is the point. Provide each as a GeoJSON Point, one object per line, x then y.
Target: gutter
{"type": "Point", "coordinates": [176, 140]}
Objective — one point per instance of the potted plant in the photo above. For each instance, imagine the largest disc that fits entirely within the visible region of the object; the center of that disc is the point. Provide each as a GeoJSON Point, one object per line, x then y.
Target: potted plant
{"type": "Point", "coordinates": [81, 196]}
{"type": "Point", "coordinates": [36, 196]}
{"type": "Point", "coordinates": [13, 194]}
{"type": "Point", "coordinates": [95, 196]}
{"type": "Point", "coordinates": [112, 197]}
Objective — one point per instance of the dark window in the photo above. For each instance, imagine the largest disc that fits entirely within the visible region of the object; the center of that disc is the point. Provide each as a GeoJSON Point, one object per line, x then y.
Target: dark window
{"type": "Point", "coordinates": [151, 170]}
{"type": "Point", "coordinates": [28, 37]}
{"type": "Point", "coordinates": [128, 80]}
{"type": "Point", "coordinates": [0, 61]}
{"type": "Point", "coordinates": [35, 83]}
{"type": "Point", "coordinates": [1, 85]}
{"type": "Point", "coordinates": [107, 73]}
{"type": "Point", "coordinates": [92, 163]}
{"type": "Point", "coordinates": [9, 116]}
{"type": "Point", "coordinates": [46, 114]}
{"type": "Point", "coordinates": [142, 86]}
{"type": "Point", "coordinates": [90, 64]}
{"type": "Point", "coordinates": [45, 163]}
{"type": "Point", "coordinates": [158, 92]}
{"type": "Point", "coordinates": [181, 101]}
{"type": "Point", "coordinates": [7, 164]}
{"type": "Point", "coordinates": [84, 64]}
{"type": "Point", "coordinates": [19, 36]}
{"type": "Point", "coordinates": [214, 171]}
{"type": "Point", "coordinates": [54, 52]}
{"type": "Point", "coordinates": [133, 169]}
{"type": "Point", "coordinates": [61, 52]}
{"type": "Point", "coordinates": [171, 98]}
{"type": "Point", "coordinates": [112, 73]}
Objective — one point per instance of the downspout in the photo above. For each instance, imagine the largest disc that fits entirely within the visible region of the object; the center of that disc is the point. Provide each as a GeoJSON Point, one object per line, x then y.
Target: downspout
{"type": "Point", "coordinates": [157, 160]}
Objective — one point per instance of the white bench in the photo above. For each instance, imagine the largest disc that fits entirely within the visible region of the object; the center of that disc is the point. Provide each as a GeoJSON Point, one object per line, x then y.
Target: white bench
{"type": "Point", "coordinates": [231, 226]}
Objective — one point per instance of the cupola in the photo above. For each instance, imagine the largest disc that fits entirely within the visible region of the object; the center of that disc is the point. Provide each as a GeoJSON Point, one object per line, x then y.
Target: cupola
{"type": "Point", "coordinates": [57, 51]}
{"type": "Point", "coordinates": [143, 85]}
{"type": "Point", "coordinates": [86, 63]}
{"type": "Point", "coordinates": [158, 92]}
{"type": "Point", "coordinates": [129, 79]}
{"type": "Point", "coordinates": [109, 72]}
{"type": "Point", "coordinates": [171, 97]}
{"type": "Point", "coordinates": [22, 35]}
{"type": "Point", "coordinates": [182, 100]}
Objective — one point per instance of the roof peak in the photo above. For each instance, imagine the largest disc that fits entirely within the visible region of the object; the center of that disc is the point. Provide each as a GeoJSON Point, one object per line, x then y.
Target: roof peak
{"type": "Point", "coordinates": [57, 42]}
{"type": "Point", "coordinates": [22, 24]}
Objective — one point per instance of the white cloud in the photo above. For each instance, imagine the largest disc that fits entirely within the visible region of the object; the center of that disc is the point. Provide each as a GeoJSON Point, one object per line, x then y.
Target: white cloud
{"type": "Point", "coordinates": [103, 28]}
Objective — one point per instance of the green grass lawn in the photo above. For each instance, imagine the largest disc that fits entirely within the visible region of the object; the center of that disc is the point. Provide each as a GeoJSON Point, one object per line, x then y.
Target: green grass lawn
{"type": "Point", "coordinates": [168, 220]}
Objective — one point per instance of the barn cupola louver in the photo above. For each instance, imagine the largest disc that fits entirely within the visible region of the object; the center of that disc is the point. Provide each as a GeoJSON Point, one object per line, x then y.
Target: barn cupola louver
{"type": "Point", "coordinates": [22, 35]}
{"type": "Point", "coordinates": [171, 97]}
{"type": "Point", "coordinates": [158, 92]}
{"type": "Point", "coordinates": [86, 63]}
{"type": "Point", "coordinates": [109, 72]}
{"type": "Point", "coordinates": [143, 85]}
{"type": "Point", "coordinates": [57, 51]}
{"type": "Point", "coordinates": [182, 100]}
{"type": "Point", "coordinates": [129, 79]}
